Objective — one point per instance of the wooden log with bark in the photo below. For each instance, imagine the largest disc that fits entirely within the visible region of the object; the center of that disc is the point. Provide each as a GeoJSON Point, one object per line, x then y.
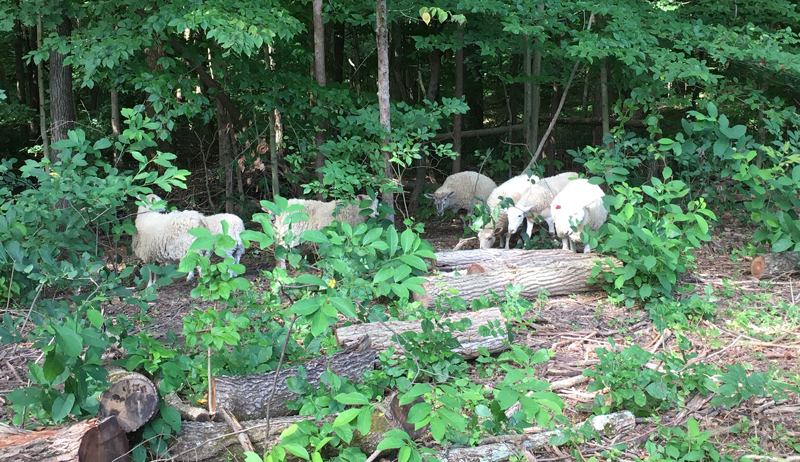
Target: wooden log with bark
{"type": "Point", "coordinates": [132, 398]}
{"type": "Point", "coordinates": [381, 333]}
{"type": "Point", "coordinates": [774, 264]}
{"type": "Point", "coordinates": [494, 259]}
{"type": "Point", "coordinates": [559, 272]}
{"type": "Point", "coordinates": [247, 396]}
{"type": "Point", "coordinates": [94, 440]}
{"type": "Point", "coordinates": [213, 441]}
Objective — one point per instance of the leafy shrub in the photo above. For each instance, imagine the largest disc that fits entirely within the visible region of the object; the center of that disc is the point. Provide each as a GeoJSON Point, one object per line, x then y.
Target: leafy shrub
{"type": "Point", "coordinates": [677, 445]}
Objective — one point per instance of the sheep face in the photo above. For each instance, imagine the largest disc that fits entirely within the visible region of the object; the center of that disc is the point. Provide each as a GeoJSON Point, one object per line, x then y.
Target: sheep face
{"type": "Point", "coordinates": [441, 199]}
{"type": "Point", "coordinates": [517, 216]}
{"type": "Point", "coordinates": [486, 238]}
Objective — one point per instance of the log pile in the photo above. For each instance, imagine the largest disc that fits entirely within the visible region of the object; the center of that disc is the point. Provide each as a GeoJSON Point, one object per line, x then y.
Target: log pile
{"type": "Point", "coordinates": [95, 440]}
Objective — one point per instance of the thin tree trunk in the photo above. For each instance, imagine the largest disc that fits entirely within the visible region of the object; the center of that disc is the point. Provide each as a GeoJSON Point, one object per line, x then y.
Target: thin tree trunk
{"type": "Point", "coordinates": [382, 39]}
{"type": "Point", "coordinates": [337, 69]}
{"type": "Point", "coordinates": [275, 132]}
{"type": "Point", "coordinates": [40, 86]}
{"type": "Point", "coordinates": [62, 115]}
{"type": "Point", "coordinates": [435, 60]}
{"type": "Point", "coordinates": [223, 129]}
{"type": "Point", "coordinates": [536, 90]}
{"type": "Point", "coordinates": [459, 94]}
{"type": "Point", "coordinates": [527, 111]}
{"type": "Point", "coordinates": [604, 96]}
{"type": "Point", "coordinates": [32, 71]}
{"type": "Point", "coordinates": [19, 65]}
{"type": "Point", "coordinates": [397, 72]}
{"type": "Point", "coordinates": [355, 78]}
{"type": "Point", "coordinates": [116, 120]}
{"type": "Point", "coordinates": [319, 72]}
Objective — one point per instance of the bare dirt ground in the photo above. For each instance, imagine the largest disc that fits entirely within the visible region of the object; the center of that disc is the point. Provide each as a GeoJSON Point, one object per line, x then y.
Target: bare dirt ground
{"type": "Point", "coordinates": [756, 326]}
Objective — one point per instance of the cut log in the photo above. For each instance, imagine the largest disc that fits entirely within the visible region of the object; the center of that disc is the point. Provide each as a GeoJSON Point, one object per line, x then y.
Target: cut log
{"type": "Point", "coordinates": [559, 272]}
{"type": "Point", "coordinates": [213, 441]}
{"type": "Point", "coordinates": [494, 259]}
{"type": "Point", "coordinates": [775, 264]}
{"type": "Point", "coordinates": [381, 333]}
{"type": "Point", "coordinates": [132, 398]}
{"type": "Point", "coordinates": [186, 411]}
{"type": "Point", "coordinates": [94, 440]}
{"type": "Point", "coordinates": [246, 396]}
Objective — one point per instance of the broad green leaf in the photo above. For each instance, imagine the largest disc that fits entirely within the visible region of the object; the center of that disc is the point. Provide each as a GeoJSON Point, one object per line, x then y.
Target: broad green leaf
{"type": "Point", "coordinates": [391, 443]}
{"type": "Point", "coordinates": [346, 416]}
{"type": "Point", "coordinates": [69, 341]}
{"type": "Point", "coordinates": [305, 306]}
{"type": "Point", "coordinates": [344, 306]}
{"type": "Point", "coordinates": [296, 449]}
{"type": "Point", "coordinates": [352, 398]}
{"type": "Point", "coordinates": [62, 406]}
{"type": "Point", "coordinates": [312, 235]}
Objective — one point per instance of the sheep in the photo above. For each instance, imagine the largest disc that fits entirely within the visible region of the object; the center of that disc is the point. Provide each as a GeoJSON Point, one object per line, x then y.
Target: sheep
{"type": "Point", "coordinates": [461, 191]}
{"type": "Point", "coordinates": [514, 189]}
{"type": "Point", "coordinates": [164, 238]}
{"type": "Point", "coordinates": [235, 227]}
{"type": "Point", "coordinates": [320, 215]}
{"type": "Point", "coordinates": [536, 201]}
{"type": "Point", "coordinates": [579, 204]}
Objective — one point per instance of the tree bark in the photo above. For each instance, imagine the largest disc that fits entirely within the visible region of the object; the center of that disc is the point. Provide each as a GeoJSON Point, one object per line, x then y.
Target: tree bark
{"type": "Point", "coordinates": [494, 259]}
{"type": "Point", "coordinates": [536, 92]}
{"type": "Point", "coordinates": [604, 96]}
{"type": "Point", "coordinates": [319, 73]}
{"type": "Point", "coordinates": [395, 62]}
{"type": "Point", "coordinates": [40, 100]}
{"type": "Point", "coordinates": [247, 396]}
{"type": "Point", "coordinates": [381, 333]}
{"type": "Point", "coordinates": [200, 441]}
{"type": "Point", "coordinates": [132, 398]}
{"type": "Point", "coordinates": [775, 264]}
{"type": "Point", "coordinates": [275, 133]}
{"type": "Point", "coordinates": [93, 440]}
{"type": "Point", "coordinates": [62, 115]}
{"type": "Point", "coordinates": [558, 272]}
{"type": "Point", "coordinates": [225, 151]}
{"type": "Point", "coordinates": [116, 120]}
{"type": "Point", "coordinates": [457, 118]}
{"type": "Point", "coordinates": [431, 93]}
{"type": "Point", "coordinates": [337, 65]}
{"type": "Point", "coordinates": [355, 76]}
{"type": "Point", "coordinates": [382, 39]}
{"type": "Point", "coordinates": [19, 64]}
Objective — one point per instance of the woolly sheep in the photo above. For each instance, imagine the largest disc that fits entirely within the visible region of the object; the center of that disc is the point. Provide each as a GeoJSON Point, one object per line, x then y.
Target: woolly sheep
{"type": "Point", "coordinates": [461, 191]}
{"type": "Point", "coordinates": [320, 215]}
{"type": "Point", "coordinates": [514, 189]}
{"type": "Point", "coordinates": [164, 238]}
{"type": "Point", "coordinates": [235, 227]}
{"type": "Point", "coordinates": [537, 202]}
{"type": "Point", "coordinates": [581, 204]}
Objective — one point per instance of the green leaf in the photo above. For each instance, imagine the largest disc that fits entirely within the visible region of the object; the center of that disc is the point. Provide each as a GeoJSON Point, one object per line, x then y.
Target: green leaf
{"type": "Point", "coordinates": [391, 239]}
{"type": "Point", "coordinates": [170, 416]}
{"type": "Point", "coordinates": [346, 416]}
{"type": "Point", "coordinates": [305, 306]}
{"type": "Point", "coordinates": [344, 306]}
{"type": "Point", "coordinates": [296, 449]}
{"type": "Point", "coordinates": [385, 273]}
{"type": "Point", "coordinates": [364, 420]}
{"type": "Point", "coordinates": [391, 443]}
{"type": "Point", "coordinates": [69, 341]}
{"type": "Point", "coordinates": [352, 398]}
{"type": "Point", "coordinates": [310, 279]}
{"type": "Point", "coordinates": [415, 262]}
{"type": "Point", "coordinates": [783, 243]}
{"type": "Point", "coordinates": [62, 406]}
{"type": "Point", "coordinates": [407, 240]}
{"type": "Point", "coordinates": [649, 262]}
{"type": "Point", "coordinates": [95, 318]}
{"type": "Point", "coordinates": [29, 396]}
{"type": "Point", "coordinates": [437, 428]}
{"type": "Point", "coordinates": [419, 412]}
{"type": "Point", "coordinates": [312, 235]}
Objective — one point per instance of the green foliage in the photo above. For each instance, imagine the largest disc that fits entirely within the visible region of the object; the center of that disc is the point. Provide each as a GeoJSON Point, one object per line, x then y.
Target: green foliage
{"type": "Point", "coordinates": [679, 446]}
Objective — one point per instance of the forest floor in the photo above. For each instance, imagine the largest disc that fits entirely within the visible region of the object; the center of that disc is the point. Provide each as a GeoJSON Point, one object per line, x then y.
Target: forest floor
{"type": "Point", "coordinates": [755, 325]}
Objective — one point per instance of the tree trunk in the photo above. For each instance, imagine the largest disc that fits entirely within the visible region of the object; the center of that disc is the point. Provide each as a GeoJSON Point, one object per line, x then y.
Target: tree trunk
{"type": "Point", "coordinates": [395, 61]}
{"type": "Point", "coordinates": [132, 398]}
{"type": "Point", "coordinates": [558, 272]}
{"type": "Point", "coordinates": [19, 64]}
{"type": "Point", "coordinates": [32, 70]}
{"type": "Point", "coordinates": [116, 120]}
{"type": "Point", "coordinates": [527, 110]}
{"type": "Point", "coordinates": [275, 133]}
{"type": "Point", "coordinates": [536, 92]}
{"type": "Point", "coordinates": [355, 76]}
{"type": "Point", "coordinates": [382, 39]}
{"type": "Point", "coordinates": [223, 129]}
{"type": "Point", "coordinates": [604, 96]}
{"type": "Point", "coordinates": [40, 100]}
{"type": "Point", "coordinates": [775, 264]}
{"type": "Point", "coordinates": [248, 396]}
{"type": "Point", "coordinates": [431, 93]}
{"type": "Point", "coordinates": [494, 259]}
{"type": "Point", "coordinates": [381, 333]}
{"type": "Point", "coordinates": [201, 441]}
{"type": "Point", "coordinates": [459, 94]}
{"type": "Point", "coordinates": [88, 440]}
{"type": "Point", "coordinates": [319, 73]}
{"type": "Point", "coordinates": [62, 115]}
{"type": "Point", "coordinates": [337, 63]}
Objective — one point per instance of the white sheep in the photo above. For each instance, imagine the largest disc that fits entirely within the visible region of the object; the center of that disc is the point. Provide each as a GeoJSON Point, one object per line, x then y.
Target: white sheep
{"type": "Point", "coordinates": [460, 191]}
{"type": "Point", "coordinates": [235, 227]}
{"type": "Point", "coordinates": [320, 215]}
{"type": "Point", "coordinates": [580, 204]}
{"type": "Point", "coordinates": [164, 238]}
{"type": "Point", "coordinates": [513, 189]}
{"type": "Point", "coordinates": [537, 202]}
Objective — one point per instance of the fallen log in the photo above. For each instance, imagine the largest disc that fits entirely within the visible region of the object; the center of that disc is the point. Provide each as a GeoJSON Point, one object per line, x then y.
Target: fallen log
{"type": "Point", "coordinates": [247, 396]}
{"type": "Point", "coordinates": [381, 333]}
{"type": "Point", "coordinates": [494, 259]}
{"type": "Point", "coordinates": [774, 264]}
{"type": "Point", "coordinates": [560, 273]}
{"type": "Point", "coordinates": [95, 440]}
{"type": "Point", "coordinates": [213, 441]}
{"type": "Point", "coordinates": [132, 398]}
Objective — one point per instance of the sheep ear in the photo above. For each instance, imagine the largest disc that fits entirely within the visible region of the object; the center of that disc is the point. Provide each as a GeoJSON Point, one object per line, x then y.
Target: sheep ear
{"type": "Point", "coordinates": [449, 195]}
{"type": "Point", "coordinates": [428, 195]}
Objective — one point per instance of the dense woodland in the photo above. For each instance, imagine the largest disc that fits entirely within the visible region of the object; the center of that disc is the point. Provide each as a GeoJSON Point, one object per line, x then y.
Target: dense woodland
{"type": "Point", "coordinates": [683, 112]}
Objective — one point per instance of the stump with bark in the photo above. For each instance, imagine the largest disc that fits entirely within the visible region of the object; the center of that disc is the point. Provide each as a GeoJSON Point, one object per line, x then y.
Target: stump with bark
{"type": "Point", "coordinates": [775, 264]}
{"type": "Point", "coordinates": [132, 398]}
{"type": "Point", "coordinates": [381, 333]}
{"type": "Point", "coordinates": [559, 272]}
{"type": "Point", "coordinates": [94, 440]}
{"type": "Point", "coordinates": [248, 396]}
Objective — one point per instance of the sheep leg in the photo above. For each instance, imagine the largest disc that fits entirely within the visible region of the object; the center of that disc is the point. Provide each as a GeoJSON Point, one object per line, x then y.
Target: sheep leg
{"type": "Point", "coordinates": [586, 249]}
{"type": "Point", "coordinates": [565, 244]}
{"type": "Point", "coordinates": [529, 229]}
{"type": "Point", "coordinates": [508, 240]}
{"type": "Point", "coordinates": [551, 228]}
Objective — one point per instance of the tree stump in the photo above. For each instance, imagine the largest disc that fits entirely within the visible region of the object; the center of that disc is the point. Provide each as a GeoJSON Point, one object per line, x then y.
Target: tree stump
{"type": "Point", "coordinates": [774, 264]}
{"type": "Point", "coordinates": [558, 272]}
{"type": "Point", "coordinates": [381, 333]}
{"type": "Point", "coordinates": [132, 398]}
{"type": "Point", "coordinates": [94, 440]}
{"type": "Point", "coordinates": [247, 396]}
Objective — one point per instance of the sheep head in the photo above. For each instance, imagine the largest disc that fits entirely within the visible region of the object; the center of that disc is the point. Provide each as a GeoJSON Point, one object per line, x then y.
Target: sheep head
{"type": "Point", "coordinates": [486, 238]}
{"type": "Point", "coordinates": [517, 215]}
{"type": "Point", "coordinates": [442, 199]}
